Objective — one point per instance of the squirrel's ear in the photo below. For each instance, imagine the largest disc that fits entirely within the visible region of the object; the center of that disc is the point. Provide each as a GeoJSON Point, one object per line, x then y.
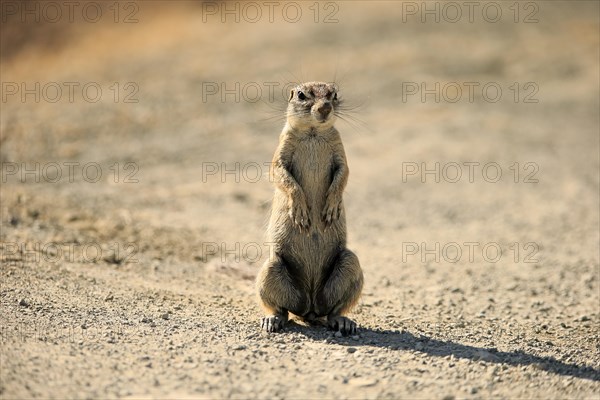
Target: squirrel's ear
{"type": "Point", "coordinates": [291, 95]}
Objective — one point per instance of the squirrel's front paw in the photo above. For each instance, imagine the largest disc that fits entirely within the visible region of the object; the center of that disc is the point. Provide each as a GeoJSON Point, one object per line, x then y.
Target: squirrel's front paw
{"type": "Point", "coordinates": [299, 214]}
{"type": "Point", "coordinates": [332, 209]}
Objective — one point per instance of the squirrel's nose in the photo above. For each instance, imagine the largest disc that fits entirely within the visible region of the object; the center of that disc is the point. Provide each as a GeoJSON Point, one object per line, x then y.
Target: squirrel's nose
{"type": "Point", "coordinates": [324, 109]}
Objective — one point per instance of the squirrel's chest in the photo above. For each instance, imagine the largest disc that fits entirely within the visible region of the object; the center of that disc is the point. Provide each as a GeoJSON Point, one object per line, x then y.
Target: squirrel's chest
{"type": "Point", "coordinates": [312, 160]}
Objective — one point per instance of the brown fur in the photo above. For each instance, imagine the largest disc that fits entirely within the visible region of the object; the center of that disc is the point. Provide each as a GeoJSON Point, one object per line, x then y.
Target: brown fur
{"type": "Point", "coordinates": [311, 274]}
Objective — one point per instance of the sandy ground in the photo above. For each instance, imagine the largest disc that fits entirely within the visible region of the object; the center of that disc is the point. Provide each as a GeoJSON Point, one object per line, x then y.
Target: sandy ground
{"type": "Point", "coordinates": [139, 282]}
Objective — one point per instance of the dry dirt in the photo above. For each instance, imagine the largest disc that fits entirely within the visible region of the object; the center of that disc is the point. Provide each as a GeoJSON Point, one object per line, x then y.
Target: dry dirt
{"type": "Point", "coordinates": [140, 285]}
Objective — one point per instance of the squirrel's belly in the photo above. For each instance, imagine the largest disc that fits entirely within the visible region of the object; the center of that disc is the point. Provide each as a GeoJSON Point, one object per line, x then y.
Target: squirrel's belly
{"type": "Point", "coordinates": [311, 251]}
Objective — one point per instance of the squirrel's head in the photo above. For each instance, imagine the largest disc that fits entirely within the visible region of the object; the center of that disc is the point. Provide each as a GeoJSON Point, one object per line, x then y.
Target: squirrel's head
{"type": "Point", "coordinates": [312, 105]}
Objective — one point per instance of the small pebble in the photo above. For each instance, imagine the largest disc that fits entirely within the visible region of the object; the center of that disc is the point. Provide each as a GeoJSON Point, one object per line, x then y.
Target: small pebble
{"type": "Point", "coordinates": [351, 349]}
{"type": "Point", "coordinates": [363, 382]}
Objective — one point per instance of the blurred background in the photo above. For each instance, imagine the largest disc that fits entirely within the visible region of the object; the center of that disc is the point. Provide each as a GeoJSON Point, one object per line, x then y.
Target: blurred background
{"type": "Point", "coordinates": [163, 98]}
{"type": "Point", "coordinates": [174, 87]}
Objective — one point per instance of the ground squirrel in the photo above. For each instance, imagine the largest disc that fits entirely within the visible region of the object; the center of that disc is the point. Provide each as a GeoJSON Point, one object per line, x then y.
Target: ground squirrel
{"type": "Point", "coordinates": [310, 273]}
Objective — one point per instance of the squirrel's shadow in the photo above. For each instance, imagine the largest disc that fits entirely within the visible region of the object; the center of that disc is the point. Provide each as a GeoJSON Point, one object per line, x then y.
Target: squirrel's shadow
{"type": "Point", "coordinates": [405, 340]}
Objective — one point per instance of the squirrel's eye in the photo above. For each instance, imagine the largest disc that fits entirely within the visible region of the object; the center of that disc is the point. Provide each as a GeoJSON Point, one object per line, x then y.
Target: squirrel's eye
{"type": "Point", "coordinates": [301, 95]}
{"type": "Point", "coordinates": [335, 96]}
